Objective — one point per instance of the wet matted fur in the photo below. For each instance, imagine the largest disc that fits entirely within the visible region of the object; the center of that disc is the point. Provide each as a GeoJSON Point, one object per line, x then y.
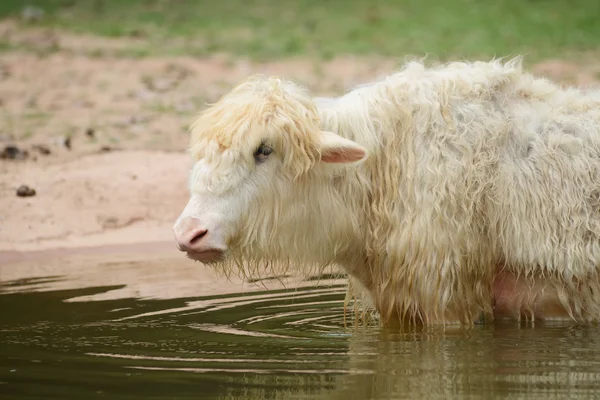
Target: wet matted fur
{"type": "Point", "coordinates": [472, 168]}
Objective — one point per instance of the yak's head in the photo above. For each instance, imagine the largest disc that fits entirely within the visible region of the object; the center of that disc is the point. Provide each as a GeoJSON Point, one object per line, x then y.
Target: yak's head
{"type": "Point", "coordinates": [262, 181]}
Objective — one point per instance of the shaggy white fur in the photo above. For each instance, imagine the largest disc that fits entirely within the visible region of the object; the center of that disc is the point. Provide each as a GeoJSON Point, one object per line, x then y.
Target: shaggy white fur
{"type": "Point", "coordinates": [470, 169]}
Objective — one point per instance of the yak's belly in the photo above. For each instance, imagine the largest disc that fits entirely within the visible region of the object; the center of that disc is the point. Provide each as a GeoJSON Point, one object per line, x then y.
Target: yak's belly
{"type": "Point", "coordinates": [517, 297]}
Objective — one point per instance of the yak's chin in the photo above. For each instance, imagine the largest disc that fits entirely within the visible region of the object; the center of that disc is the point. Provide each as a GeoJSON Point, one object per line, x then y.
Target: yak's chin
{"type": "Point", "coordinates": [211, 256]}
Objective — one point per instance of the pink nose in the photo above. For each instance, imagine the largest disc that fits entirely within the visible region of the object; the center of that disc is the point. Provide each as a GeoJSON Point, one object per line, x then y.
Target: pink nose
{"type": "Point", "coordinates": [189, 235]}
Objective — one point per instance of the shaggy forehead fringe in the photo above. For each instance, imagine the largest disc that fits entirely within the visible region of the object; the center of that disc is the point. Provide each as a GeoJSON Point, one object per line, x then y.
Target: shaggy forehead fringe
{"type": "Point", "coordinates": [261, 108]}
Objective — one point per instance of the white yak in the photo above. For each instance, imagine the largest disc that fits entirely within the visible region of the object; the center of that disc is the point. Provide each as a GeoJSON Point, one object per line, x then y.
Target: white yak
{"type": "Point", "coordinates": [449, 192]}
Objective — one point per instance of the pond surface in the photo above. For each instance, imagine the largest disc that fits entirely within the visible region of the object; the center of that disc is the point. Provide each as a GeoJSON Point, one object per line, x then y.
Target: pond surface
{"type": "Point", "coordinates": [61, 342]}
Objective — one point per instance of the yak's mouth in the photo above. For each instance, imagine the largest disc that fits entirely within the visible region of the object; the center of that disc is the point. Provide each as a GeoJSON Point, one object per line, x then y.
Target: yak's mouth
{"type": "Point", "coordinates": [207, 256]}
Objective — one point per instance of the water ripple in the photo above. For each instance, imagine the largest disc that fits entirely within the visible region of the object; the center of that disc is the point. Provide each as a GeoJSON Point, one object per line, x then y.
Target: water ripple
{"type": "Point", "coordinates": [288, 343]}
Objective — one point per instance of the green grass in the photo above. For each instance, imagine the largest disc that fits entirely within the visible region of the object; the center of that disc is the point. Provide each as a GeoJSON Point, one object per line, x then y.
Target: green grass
{"type": "Point", "coordinates": [325, 28]}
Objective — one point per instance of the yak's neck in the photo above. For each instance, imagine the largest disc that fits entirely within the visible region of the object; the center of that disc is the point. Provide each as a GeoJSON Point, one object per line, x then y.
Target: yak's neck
{"type": "Point", "coordinates": [352, 117]}
{"type": "Point", "coordinates": [379, 117]}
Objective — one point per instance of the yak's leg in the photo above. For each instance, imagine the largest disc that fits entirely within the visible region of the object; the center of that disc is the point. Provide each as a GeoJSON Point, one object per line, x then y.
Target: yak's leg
{"type": "Point", "coordinates": [443, 293]}
{"type": "Point", "coordinates": [360, 288]}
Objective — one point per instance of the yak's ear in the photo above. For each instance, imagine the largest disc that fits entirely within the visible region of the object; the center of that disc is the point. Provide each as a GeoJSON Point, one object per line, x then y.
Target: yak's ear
{"type": "Point", "coordinates": [338, 150]}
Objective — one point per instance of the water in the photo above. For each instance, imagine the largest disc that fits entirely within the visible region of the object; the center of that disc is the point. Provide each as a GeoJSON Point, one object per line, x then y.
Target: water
{"type": "Point", "coordinates": [76, 342]}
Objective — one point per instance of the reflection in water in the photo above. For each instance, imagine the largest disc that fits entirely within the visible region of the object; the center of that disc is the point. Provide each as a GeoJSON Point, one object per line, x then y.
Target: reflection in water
{"type": "Point", "coordinates": [286, 343]}
{"type": "Point", "coordinates": [486, 361]}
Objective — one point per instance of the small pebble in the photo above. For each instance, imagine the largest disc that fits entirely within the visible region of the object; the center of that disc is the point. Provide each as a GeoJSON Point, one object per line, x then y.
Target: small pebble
{"type": "Point", "coordinates": [31, 101]}
{"type": "Point", "coordinates": [13, 153]}
{"type": "Point", "coordinates": [42, 149]}
{"type": "Point", "coordinates": [90, 132]}
{"type": "Point", "coordinates": [67, 142]}
{"type": "Point", "coordinates": [25, 191]}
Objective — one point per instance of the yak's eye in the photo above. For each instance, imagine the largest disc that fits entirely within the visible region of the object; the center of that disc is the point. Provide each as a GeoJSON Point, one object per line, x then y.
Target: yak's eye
{"type": "Point", "coordinates": [262, 152]}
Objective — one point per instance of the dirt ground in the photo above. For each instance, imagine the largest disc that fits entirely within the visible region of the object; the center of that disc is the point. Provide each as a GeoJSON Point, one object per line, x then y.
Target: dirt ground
{"type": "Point", "coordinates": [105, 137]}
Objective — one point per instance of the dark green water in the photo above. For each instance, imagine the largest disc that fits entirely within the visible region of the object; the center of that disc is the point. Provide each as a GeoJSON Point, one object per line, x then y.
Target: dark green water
{"type": "Point", "coordinates": [282, 344]}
